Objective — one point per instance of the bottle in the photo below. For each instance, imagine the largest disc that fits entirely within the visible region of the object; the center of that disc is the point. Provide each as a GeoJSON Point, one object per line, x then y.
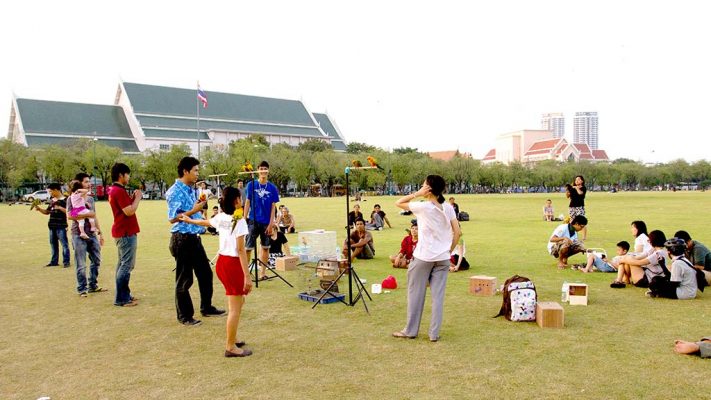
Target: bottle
{"type": "Point", "coordinates": [564, 292]}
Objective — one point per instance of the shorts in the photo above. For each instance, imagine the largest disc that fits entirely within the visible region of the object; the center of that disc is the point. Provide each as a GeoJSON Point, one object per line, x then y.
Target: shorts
{"type": "Point", "coordinates": [575, 248]}
{"type": "Point", "coordinates": [575, 211]}
{"type": "Point", "coordinates": [229, 271]}
{"type": "Point", "coordinates": [77, 211]}
{"type": "Point", "coordinates": [603, 266]}
{"type": "Point", "coordinates": [643, 283]}
{"type": "Point", "coordinates": [257, 229]}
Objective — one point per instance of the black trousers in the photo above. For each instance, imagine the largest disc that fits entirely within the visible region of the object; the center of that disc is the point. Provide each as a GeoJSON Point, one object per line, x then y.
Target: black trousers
{"type": "Point", "coordinates": [190, 257]}
{"type": "Point", "coordinates": [663, 288]}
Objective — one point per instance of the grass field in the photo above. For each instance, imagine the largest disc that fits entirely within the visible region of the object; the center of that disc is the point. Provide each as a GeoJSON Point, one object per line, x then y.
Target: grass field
{"type": "Point", "coordinates": [54, 343]}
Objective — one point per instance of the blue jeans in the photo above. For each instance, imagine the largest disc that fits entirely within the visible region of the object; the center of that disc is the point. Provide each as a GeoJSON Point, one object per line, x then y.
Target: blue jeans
{"type": "Point", "coordinates": [126, 260]}
{"type": "Point", "coordinates": [82, 247]}
{"type": "Point", "coordinates": [57, 236]}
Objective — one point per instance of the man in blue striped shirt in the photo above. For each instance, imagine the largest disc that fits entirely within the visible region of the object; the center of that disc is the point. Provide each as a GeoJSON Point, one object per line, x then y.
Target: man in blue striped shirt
{"type": "Point", "coordinates": [186, 247]}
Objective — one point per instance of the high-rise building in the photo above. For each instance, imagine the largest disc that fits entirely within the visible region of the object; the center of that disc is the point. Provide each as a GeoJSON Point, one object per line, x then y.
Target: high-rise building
{"type": "Point", "coordinates": [554, 122]}
{"type": "Point", "coordinates": [585, 128]}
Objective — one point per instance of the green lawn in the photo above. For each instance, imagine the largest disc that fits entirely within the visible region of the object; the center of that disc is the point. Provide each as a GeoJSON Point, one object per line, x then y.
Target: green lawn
{"type": "Point", "coordinates": [54, 343]}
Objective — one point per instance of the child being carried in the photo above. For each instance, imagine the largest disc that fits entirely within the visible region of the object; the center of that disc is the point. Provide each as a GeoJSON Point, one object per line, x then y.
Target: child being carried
{"type": "Point", "coordinates": [78, 201]}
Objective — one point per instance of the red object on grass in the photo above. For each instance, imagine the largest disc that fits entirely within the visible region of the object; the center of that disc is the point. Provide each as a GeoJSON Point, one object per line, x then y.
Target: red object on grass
{"type": "Point", "coordinates": [389, 282]}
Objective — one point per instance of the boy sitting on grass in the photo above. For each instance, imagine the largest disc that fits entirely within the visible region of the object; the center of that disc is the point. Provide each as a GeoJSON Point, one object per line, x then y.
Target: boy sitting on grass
{"type": "Point", "coordinates": [602, 264]}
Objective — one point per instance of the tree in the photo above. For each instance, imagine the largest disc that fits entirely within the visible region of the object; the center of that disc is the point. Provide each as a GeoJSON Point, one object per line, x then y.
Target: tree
{"type": "Point", "coordinates": [58, 163]}
{"type": "Point", "coordinates": [356, 147]}
{"type": "Point", "coordinates": [314, 145]}
{"type": "Point", "coordinates": [17, 164]}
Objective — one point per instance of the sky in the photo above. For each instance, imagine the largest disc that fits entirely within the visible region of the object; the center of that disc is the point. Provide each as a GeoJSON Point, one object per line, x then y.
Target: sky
{"type": "Point", "coordinates": [439, 75]}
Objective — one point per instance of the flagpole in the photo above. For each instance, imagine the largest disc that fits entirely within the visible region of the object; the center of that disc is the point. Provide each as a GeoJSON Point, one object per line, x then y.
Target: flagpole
{"type": "Point", "coordinates": [197, 107]}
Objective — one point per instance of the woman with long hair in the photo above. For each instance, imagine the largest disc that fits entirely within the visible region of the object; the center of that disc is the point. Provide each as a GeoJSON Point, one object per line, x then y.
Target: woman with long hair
{"type": "Point", "coordinates": [438, 234]}
{"type": "Point", "coordinates": [577, 192]}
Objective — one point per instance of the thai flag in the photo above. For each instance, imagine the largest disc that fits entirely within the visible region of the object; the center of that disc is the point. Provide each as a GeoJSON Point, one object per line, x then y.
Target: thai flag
{"type": "Point", "coordinates": [202, 97]}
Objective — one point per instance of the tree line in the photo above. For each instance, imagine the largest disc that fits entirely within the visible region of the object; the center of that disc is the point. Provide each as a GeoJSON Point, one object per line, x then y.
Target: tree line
{"type": "Point", "coordinates": [295, 169]}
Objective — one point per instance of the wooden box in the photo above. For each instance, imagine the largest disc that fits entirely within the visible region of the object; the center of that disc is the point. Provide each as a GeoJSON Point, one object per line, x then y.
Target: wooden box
{"type": "Point", "coordinates": [578, 294]}
{"type": "Point", "coordinates": [287, 263]}
{"type": "Point", "coordinates": [549, 314]}
{"type": "Point", "coordinates": [480, 285]}
{"type": "Point", "coordinates": [328, 269]}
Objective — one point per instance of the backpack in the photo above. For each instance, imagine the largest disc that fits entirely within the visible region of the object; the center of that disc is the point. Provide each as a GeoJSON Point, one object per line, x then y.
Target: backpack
{"type": "Point", "coordinates": [464, 216]}
{"type": "Point", "coordinates": [700, 276]}
{"type": "Point", "coordinates": [519, 302]}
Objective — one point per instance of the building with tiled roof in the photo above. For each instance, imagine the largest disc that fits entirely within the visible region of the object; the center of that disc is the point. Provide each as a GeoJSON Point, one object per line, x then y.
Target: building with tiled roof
{"type": "Point", "coordinates": [37, 123]}
{"type": "Point", "coordinates": [540, 146]}
{"type": "Point", "coordinates": [447, 155]}
{"type": "Point", "coordinates": [149, 117]}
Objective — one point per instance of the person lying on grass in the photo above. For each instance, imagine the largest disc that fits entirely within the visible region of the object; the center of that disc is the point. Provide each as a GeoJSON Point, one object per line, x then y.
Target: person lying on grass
{"type": "Point", "coordinates": [564, 243]}
{"type": "Point", "coordinates": [640, 272]}
{"type": "Point", "coordinates": [702, 347]}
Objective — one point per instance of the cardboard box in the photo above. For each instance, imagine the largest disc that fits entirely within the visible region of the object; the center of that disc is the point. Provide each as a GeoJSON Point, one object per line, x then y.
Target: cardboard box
{"type": "Point", "coordinates": [287, 263]}
{"type": "Point", "coordinates": [480, 285]}
{"type": "Point", "coordinates": [549, 314]}
{"type": "Point", "coordinates": [578, 294]}
{"type": "Point", "coordinates": [328, 269]}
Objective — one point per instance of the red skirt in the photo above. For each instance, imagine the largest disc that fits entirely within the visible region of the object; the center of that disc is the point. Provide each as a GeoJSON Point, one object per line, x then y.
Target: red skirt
{"type": "Point", "coordinates": [229, 271]}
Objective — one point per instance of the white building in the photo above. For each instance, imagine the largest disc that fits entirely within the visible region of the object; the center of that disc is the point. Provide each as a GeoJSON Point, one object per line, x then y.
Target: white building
{"type": "Point", "coordinates": [554, 122]}
{"type": "Point", "coordinates": [585, 128]}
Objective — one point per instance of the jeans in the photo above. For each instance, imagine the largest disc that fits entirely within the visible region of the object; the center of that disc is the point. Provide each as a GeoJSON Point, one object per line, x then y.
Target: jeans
{"type": "Point", "coordinates": [82, 247]}
{"type": "Point", "coordinates": [190, 257]}
{"type": "Point", "coordinates": [57, 236]}
{"type": "Point", "coordinates": [126, 261]}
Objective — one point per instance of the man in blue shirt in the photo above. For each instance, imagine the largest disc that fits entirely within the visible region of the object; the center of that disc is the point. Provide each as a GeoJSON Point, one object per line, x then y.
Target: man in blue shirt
{"type": "Point", "coordinates": [186, 247]}
{"type": "Point", "coordinates": [260, 208]}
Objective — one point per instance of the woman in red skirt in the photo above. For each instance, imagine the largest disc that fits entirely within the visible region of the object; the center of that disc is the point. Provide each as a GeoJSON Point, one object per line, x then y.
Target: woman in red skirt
{"type": "Point", "coordinates": [232, 266]}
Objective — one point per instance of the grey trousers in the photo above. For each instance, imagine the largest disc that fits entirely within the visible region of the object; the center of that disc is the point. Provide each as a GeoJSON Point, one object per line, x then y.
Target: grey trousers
{"type": "Point", "coordinates": [418, 274]}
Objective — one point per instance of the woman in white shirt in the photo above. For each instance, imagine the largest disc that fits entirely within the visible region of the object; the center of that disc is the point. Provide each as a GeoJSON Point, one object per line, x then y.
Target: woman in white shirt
{"type": "Point", "coordinates": [641, 240]}
{"type": "Point", "coordinates": [232, 266]}
{"type": "Point", "coordinates": [438, 234]}
{"type": "Point", "coordinates": [641, 270]}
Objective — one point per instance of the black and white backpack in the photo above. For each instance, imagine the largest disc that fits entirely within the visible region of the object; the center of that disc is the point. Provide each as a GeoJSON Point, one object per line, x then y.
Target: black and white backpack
{"type": "Point", "coordinates": [519, 299]}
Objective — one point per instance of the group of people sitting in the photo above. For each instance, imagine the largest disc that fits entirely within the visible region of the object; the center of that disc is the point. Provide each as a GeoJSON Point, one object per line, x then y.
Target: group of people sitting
{"type": "Point", "coordinates": [646, 265]}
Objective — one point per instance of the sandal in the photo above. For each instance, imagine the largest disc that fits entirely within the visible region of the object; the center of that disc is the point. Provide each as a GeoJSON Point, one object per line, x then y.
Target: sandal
{"type": "Point", "coordinates": [618, 285]}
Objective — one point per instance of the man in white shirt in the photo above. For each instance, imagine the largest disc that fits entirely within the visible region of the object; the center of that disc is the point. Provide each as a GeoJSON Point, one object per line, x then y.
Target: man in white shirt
{"type": "Point", "coordinates": [564, 243]}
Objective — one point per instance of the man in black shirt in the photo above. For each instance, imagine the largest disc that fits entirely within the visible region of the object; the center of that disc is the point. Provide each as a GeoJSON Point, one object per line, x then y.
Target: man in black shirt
{"type": "Point", "coordinates": [57, 211]}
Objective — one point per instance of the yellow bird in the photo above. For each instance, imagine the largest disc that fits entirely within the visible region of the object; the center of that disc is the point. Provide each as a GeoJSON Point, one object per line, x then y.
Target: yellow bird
{"type": "Point", "coordinates": [374, 163]}
{"type": "Point", "coordinates": [356, 163]}
{"type": "Point", "coordinates": [247, 167]}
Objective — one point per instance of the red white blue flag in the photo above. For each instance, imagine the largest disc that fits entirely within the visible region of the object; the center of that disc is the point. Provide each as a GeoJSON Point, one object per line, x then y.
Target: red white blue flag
{"type": "Point", "coordinates": [202, 97]}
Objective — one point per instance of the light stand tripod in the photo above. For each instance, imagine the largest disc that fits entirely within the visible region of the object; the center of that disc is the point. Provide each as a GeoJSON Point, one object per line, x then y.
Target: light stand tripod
{"type": "Point", "coordinates": [352, 274]}
{"type": "Point", "coordinates": [255, 263]}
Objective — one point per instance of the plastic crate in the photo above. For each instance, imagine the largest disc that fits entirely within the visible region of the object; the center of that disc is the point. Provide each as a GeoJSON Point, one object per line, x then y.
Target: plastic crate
{"type": "Point", "coordinates": [327, 299]}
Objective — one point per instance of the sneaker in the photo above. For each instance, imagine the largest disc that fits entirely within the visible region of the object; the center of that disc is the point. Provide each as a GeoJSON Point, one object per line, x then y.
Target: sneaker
{"type": "Point", "coordinates": [52, 265]}
{"type": "Point", "coordinates": [98, 289]}
{"type": "Point", "coordinates": [213, 312]}
{"type": "Point", "coordinates": [66, 265]}
{"type": "Point", "coordinates": [649, 293]}
{"type": "Point", "coordinates": [83, 294]}
{"type": "Point", "coordinates": [191, 322]}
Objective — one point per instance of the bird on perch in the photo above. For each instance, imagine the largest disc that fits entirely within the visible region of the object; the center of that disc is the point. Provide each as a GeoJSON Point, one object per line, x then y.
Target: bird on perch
{"type": "Point", "coordinates": [247, 167]}
{"type": "Point", "coordinates": [374, 163]}
{"type": "Point", "coordinates": [357, 163]}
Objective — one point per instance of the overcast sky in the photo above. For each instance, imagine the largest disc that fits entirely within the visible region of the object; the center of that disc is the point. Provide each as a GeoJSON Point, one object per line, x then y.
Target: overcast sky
{"type": "Point", "coordinates": [432, 75]}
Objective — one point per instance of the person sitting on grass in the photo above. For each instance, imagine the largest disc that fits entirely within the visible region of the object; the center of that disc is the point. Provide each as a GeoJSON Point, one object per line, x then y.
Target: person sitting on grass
{"type": "Point", "coordinates": [361, 243]}
{"type": "Point", "coordinates": [641, 271]}
{"type": "Point", "coordinates": [698, 254]}
{"type": "Point", "coordinates": [277, 246]}
{"type": "Point", "coordinates": [642, 247]}
{"type": "Point", "coordinates": [377, 219]}
{"type": "Point", "coordinates": [286, 221]}
{"type": "Point", "coordinates": [407, 247]}
{"type": "Point", "coordinates": [682, 283]}
{"type": "Point", "coordinates": [232, 263]}
{"type": "Point", "coordinates": [602, 264]}
{"type": "Point", "coordinates": [564, 243]}
{"type": "Point", "coordinates": [548, 211]}
{"type": "Point", "coordinates": [701, 348]}
{"type": "Point", "coordinates": [458, 262]}
{"type": "Point", "coordinates": [354, 215]}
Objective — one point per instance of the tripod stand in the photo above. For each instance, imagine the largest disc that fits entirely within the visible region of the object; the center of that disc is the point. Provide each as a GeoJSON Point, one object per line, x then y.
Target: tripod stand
{"type": "Point", "coordinates": [256, 262]}
{"type": "Point", "coordinates": [352, 274]}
